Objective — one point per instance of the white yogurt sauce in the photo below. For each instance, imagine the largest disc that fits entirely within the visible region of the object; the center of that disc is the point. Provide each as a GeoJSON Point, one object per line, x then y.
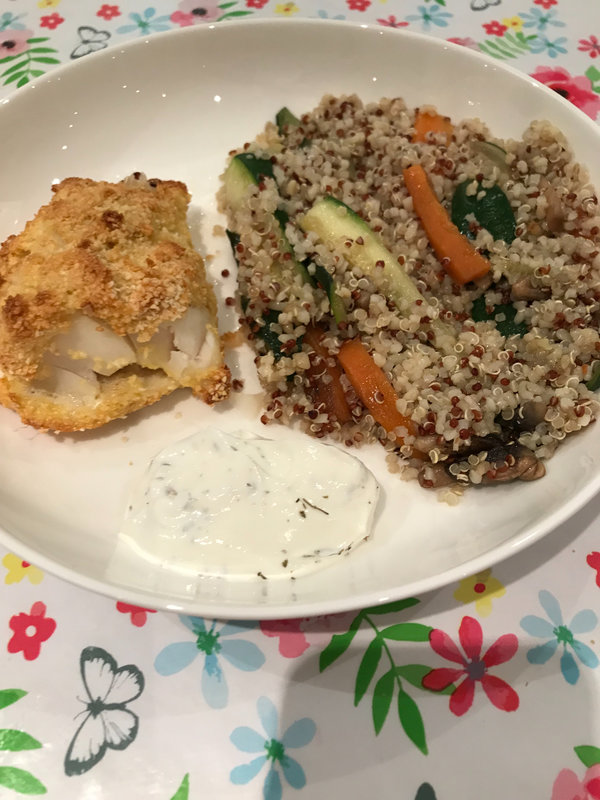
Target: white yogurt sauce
{"type": "Point", "coordinates": [239, 505]}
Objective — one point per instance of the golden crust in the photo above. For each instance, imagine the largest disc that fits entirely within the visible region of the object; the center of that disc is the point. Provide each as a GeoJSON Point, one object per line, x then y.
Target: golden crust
{"type": "Point", "coordinates": [121, 394]}
{"type": "Point", "coordinates": [119, 253]}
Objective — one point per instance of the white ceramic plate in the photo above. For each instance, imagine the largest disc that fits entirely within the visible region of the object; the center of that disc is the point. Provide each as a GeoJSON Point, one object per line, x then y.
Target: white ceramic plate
{"type": "Point", "coordinates": [172, 106]}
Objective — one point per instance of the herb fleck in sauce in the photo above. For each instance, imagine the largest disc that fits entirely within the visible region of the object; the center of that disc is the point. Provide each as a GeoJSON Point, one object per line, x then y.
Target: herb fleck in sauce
{"type": "Point", "coordinates": [223, 504]}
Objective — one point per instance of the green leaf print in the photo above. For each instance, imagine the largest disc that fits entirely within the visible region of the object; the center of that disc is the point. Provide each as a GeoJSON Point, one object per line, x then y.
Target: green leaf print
{"type": "Point", "coordinates": [510, 45]}
{"type": "Point", "coordinates": [389, 608]}
{"type": "Point", "coordinates": [588, 755]}
{"type": "Point", "coordinates": [367, 669]}
{"type": "Point", "coordinates": [407, 632]}
{"type": "Point", "coordinates": [15, 67]}
{"type": "Point", "coordinates": [183, 792]}
{"type": "Point", "coordinates": [234, 14]}
{"type": "Point", "coordinates": [392, 678]}
{"type": "Point", "coordinates": [412, 721]}
{"type": "Point", "coordinates": [382, 699]}
{"type": "Point", "coordinates": [339, 643]}
{"type": "Point", "coordinates": [17, 740]}
{"type": "Point", "coordinates": [23, 68]}
{"type": "Point", "coordinates": [19, 780]}
{"type": "Point", "coordinates": [593, 73]}
{"type": "Point", "coordinates": [10, 696]}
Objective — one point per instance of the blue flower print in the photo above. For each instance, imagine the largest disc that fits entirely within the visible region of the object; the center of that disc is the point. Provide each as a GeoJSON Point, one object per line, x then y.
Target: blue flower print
{"type": "Point", "coordinates": [211, 643]}
{"type": "Point", "coordinates": [146, 23]}
{"type": "Point", "coordinates": [540, 19]}
{"type": "Point", "coordinates": [273, 750]}
{"type": "Point", "coordinates": [558, 633]}
{"type": "Point", "coordinates": [541, 44]}
{"type": "Point", "coordinates": [324, 15]}
{"type": "Point", "coordinates": [428, 16]}
{"type": "Point", "coordinates": [8, 20]}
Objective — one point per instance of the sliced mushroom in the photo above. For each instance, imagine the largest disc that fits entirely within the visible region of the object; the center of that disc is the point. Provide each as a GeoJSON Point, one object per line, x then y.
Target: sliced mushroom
{"type": "Point", "coordinates": [526, 418]}
{"type": "Point", "coordinates": [508, 461]}
{"type": "Point", "coordinates": [526, 467]}
{"type": "Point", "coordinates": [555, 216]}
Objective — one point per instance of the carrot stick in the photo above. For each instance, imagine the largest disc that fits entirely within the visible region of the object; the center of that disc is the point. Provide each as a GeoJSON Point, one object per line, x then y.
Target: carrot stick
{"type": "Point", "coordinates": [457, 255]}
{"type": "Point", "coordinates": [331, 394]}
{"type": "Point", "coordinates": [372, 386]}
{"type": "Point", "coordinates": [431, 123]}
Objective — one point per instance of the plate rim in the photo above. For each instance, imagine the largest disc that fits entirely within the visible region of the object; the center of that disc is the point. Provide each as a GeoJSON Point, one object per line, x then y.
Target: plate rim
{"type": "Point", "coordinates": [506, 549]}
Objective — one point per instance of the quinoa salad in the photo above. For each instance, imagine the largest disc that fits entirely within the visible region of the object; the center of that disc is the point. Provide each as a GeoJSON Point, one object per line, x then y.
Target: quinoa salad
{"type": "Point", "coordinates": [414, 280]}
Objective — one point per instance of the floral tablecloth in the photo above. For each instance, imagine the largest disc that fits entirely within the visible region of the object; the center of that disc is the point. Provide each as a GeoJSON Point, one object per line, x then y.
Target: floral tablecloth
{"type": "Point", "coordinates": [486, 689]}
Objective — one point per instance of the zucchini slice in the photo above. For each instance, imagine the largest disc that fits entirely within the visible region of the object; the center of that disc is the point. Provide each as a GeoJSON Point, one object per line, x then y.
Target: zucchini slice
{"type": "Point", "coordinates": [246, 170]}
{"type": "Point", "coordinates": [342, 230]}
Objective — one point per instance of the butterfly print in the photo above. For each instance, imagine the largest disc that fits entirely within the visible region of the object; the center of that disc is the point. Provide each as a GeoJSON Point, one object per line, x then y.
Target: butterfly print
{"type": "Point", "coordinates": [481, 5]}
{"type": "Point", "coordinates": [91, 40]}
{"type": "Point", "coordinates": [108, 723]}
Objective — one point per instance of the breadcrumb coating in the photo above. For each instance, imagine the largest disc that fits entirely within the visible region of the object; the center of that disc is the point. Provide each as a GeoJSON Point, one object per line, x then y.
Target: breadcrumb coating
{"type": "Point", "coordinates": [120, 254]}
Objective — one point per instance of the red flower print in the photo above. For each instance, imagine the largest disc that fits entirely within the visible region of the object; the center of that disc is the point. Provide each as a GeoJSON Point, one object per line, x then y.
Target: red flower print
{"type": "Point", "coordinates": [577, 89]}
{"type": "Point", "coordinates": [51, 21]}
{"type": "Point", "coordinates": [392, 22]}
{"type": "Point", "coordinates": [593, 560]}
{"type": "Point", "coordinates": [256, 3]}
{"type": "Point", "coordinates": [358, 5]}
{"type": "Point", "coordinates": [545, 3]}
{"type": "Point", "coordinates": [495, 28]}
{"type": "Point", "coordinates": [591, 46]}
{"type": "Point", "coordinates": [292, 641]}
{"type": "Point", "coordinates": [108, 12]}
{"type": "Point", "coordinates": [138, 613]}
{"type": "Point", "coordinates": [473, 666]}
{"type": "Point", "coordinates": [30, 631]}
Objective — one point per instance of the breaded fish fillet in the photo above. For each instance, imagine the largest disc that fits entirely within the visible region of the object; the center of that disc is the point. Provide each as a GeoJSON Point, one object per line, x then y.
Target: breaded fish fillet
{"type": "Point", "coordinates": [105, 307]}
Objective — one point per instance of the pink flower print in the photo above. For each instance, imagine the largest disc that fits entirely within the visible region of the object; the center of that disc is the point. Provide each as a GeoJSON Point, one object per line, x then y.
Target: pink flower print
{"type": "Point", "coordinates": [30, 631]}
{"type": "Point", "coordinates": [465, 42]}
{"type": "Point", "coordinates": [107, 12]}
{"type": "Point", "coordinates": [193, 12]}
{"type": "Point", "coordinates": [392, 22]}
{"type": "Point", "coordinates": [292, 642]}
{"type": "Point", "coordinates": [51, 21]}
{"type": "Point", "coordinates": [13, 42]}
{"type": "Point", "coordinates": [297, 635]}
{"type": "Point", "coordinates": [139, 615]}
{"type": "Point", "coordinates": [495, 28]}
{"type": "Point", "coordinates": [545, 4]}
{"type": "Point", "coordinates": [473, 667]}
{"type": "Point", "coordinates": [590, 46]}
{"type": "Point", "coordinates": [567, 785]}
{"type": "Point", "coordinates": [577, 89]}
{"type": "Point", "coordinates": [256, 3]}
